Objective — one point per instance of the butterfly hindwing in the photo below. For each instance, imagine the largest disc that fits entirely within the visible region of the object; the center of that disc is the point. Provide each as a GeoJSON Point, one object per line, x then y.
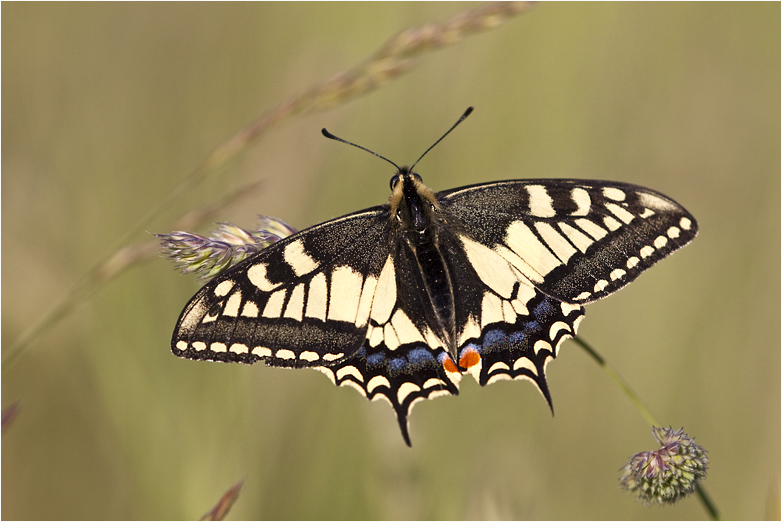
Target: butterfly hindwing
{"type": "Point", "coordinates": [509, 329]}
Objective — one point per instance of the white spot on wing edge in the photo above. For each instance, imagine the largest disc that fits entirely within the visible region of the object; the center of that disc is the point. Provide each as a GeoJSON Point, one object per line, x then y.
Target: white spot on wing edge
{"type": "Point", "coordinates": [568, 308]}
{"type": "Point", "coordinates": [382, 396]}
{"type": "Point", "coordinates": [655, 202]}
{"type": "Point", "coordinates": [540, 344]}
{"type": "Point", "coordinates": [557, 327]}
{"type": "Point", "coordinates": [262, 351]}
{"type": "Point", "coordinates": [327, 372]}
{"type": "Point", "coordinates": [405, 390]}
{"type": "Point", "coordinates": [285, 354]}
{"type": "Point", "coordinates": [192, 318]}
{"type": "Point", "coordinates": [582, 296]}
{"type": "Point", "coordinates": [238, 348]}
{"type": "Point", "coordinates": [353, 384]}
{"type": "Point", "coordinates": [351, 371]}
{"type": "Point", "coordinates": [499, 365]}
{"type": "Point", "coordinates": [576, 323]}
{"type": "Point", "coordinates": [617, 273]}
{"type": "Point", "coordinates": [377, 380]}
{"type": "Point", "coordinates": [432, 382]}
{"type": "Point", "coordinates": [685, 223]}
{"type": "Point", "coordinates": [181, 345]}
{"type": "Point", "coordinates": [524, 362]}
{"type": "Point", "coordinates": [309, 356]}
{"type": "Point", "coordinates": [502, 376]}
{"type": "Point", "coordinates": [218, 347]}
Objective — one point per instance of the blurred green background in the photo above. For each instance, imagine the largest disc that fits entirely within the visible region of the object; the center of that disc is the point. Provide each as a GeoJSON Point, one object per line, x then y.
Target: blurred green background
{"type": "Point", "coordinates": [107, 106]}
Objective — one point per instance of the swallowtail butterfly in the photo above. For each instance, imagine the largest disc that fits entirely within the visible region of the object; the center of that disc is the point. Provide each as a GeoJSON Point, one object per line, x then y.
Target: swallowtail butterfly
{"type": "Point", "coordinates": [400, 300]}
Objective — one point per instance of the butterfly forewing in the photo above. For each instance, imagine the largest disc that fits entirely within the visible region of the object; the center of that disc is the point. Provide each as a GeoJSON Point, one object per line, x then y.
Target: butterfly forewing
{"type": "Point", "coordinates": [576, 240]}
{"type": "Point", "coordinates": [304, 301]}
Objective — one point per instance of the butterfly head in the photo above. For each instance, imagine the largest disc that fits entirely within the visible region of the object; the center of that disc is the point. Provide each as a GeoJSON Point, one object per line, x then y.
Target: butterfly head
{"type": "Point", "coordinates": [412, 205]}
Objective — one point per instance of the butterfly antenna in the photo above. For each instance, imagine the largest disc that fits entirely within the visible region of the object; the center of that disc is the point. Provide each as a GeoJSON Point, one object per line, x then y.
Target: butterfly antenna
{"type": "Point", "coordinates": [336, 138]}
{"type": "Point", "coordinates": [466, 113]}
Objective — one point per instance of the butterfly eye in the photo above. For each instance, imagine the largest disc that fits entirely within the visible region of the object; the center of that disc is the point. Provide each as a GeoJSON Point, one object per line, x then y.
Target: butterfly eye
{"type": "Point", "coordinates": [394, 181]}
{"type": "Point", "coordinates": [417, 177]}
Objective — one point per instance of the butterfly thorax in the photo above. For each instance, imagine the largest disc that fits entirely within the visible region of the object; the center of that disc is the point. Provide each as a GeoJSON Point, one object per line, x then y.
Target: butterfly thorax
{"type": "Point", "coordinates": [416, 219]}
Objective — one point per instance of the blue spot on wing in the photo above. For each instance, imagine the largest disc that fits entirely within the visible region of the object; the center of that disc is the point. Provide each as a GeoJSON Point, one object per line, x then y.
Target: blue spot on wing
{"type": "Point", "coordinates": [375, 360]}
{"type": "Point", "coordinates": [543, 308]}
{"type": "Point", "coordinates": [477, 348]}
{"type": "Point", "coordinates": [397, 364]}
{"type": "Point", "coordinates": [517, 337]}
{"type": "Point", "coordinates": [494, 337]}
{"type": "Point", "coordinates": [420, 356]}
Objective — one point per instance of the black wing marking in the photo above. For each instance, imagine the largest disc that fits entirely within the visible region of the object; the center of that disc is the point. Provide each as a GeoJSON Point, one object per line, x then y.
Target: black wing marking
{"type": "Point", "coordinates": [304, 301]}
{"type": "Point", "coordinates": [578, 240]}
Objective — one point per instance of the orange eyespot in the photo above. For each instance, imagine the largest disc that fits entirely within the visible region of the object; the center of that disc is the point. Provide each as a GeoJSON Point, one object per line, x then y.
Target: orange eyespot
{"type": "Point", "coordinates": [449, 365]}
{"type": "Point", "coordinates": [470, 357]}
